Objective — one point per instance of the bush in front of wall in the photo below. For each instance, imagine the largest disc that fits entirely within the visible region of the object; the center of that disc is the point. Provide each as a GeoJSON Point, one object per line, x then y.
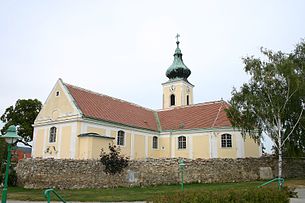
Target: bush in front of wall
{"type": "Point", "coordinates": [255, 195]}
{"type": "Point", "coordinates": [114, 162]}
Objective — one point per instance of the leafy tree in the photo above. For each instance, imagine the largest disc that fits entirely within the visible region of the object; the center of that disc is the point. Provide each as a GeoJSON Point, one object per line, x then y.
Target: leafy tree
{"type": "Point", "coordinates": [114, 163]}
{"type": "Point", "coordinates": [272, 102]}
{"type": "Point", "coordinates": [3, 152]}
{"type": "Point", "coordinates": [23, 114]}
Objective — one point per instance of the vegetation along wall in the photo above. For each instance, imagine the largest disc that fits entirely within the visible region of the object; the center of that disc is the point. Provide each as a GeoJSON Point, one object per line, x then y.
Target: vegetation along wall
{"type": "Point", "coordinates": [66, 173]}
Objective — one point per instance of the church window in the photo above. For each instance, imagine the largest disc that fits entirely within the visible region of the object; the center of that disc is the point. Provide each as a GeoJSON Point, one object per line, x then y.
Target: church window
{"type": "Point", "coordinates": [187, 100]}
{"type": "Point", "coordinates": [155, 142]}
{"type": "Point", "coordinates": [52, 137]}
{"type": "Point", "coordinates": [57, 93]}
{"type": "Point", "coordinates": [172, 100]}
{"type": "Point", "coordinates": [182, 142]}
{"type": "Point", "coordinates": [121, 138]}
{"type": "Point", "coordinates": [226, 140]}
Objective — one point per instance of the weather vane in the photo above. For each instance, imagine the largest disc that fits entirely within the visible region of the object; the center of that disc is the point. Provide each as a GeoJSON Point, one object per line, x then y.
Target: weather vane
{"type": "Point", "coordinates": [177, 36]}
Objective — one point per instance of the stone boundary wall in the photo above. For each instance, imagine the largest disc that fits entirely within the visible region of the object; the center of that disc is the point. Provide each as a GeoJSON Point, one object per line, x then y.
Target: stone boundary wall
{"type": "Point", "coordinates": [70, 174]}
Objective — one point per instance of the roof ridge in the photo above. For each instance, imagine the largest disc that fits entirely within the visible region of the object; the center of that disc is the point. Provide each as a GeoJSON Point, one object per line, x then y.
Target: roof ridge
{"type": "Point", "coordinates": [192, 105]}
{"type": "Point", "coordinates": [158, 121]}
{"type": "Point", "coordinates": [217, 115]}
{"type": "Point", "coordinates": [100, 94]}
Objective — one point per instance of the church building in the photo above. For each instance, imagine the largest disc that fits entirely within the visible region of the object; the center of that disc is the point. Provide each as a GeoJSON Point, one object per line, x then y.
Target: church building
{"type": "Point", "coordinates": [76, 123]}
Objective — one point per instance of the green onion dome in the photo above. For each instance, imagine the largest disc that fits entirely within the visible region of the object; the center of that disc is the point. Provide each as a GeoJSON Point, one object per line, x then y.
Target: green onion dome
{"type": "Point", "coordinates": [178, 69]}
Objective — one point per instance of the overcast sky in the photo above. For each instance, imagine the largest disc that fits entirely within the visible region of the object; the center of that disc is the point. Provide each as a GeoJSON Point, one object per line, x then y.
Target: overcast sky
{"type": "Point", "coordinates": [123, 48]}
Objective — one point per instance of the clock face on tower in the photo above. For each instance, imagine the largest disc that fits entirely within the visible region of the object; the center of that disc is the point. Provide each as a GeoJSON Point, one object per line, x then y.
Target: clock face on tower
{"type": "Point", "coordinates": [188, 90]}
{"type": "Point", "coordinates": [172, 88]}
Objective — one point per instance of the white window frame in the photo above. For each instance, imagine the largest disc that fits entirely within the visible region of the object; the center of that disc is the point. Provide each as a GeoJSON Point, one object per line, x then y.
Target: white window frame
{"type": "Point", "coordinates": [170, 100]}
{"type": "Point", "coordinates": [119, 139]}
{"type": "Point", "coordinates": [155, 142]}
{"type": "Point", "coordinates": [183, 142]}
{"type": "Point", "coordinates": [52, 134]}
{"type": "Point", "coordinates": [228, 143]}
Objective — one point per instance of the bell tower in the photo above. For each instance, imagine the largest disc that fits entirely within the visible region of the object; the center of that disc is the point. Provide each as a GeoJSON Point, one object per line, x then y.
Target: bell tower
{"type": "Point", "coordinates": [177, 91]}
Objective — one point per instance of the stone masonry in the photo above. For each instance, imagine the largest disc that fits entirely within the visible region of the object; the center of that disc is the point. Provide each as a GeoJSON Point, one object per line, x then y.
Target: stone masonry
{"type": "Point", "coordinates": [70, 174]}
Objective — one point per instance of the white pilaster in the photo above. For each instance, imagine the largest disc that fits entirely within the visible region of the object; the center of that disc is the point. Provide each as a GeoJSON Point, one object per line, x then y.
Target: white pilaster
{"type": "Point", "coordinates": [240, 146]}
{"type": "Point", "coordinates": [182, 94]}
{"type": "Point", "coordinates": [44, 141]}
{"type": "Point", "coordinates": [210, 143]}
{"type": "Point", "coordinates": [190, 146]}
{"type": "Point", "coordinates": [132, 145]}
{"type": "Point", "coordinates": [59, 137]}
{"type": "Point", "coordinates": [146, 146]}
{"type": "Point", "coordinates": [34, 141]}
{"type": "Point", "coordinates": [73, 141]}
{"type": "Point", "coordinates": [82, 128]}
{"type": "Point", "coordinates": [214, 145]}
{"type": "Point", "coordinates": [173, 144]}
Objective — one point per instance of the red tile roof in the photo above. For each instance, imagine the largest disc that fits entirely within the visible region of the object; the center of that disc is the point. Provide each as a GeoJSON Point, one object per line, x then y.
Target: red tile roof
{"type": "Point", "coordinates": [102, 107]}
{"type": "Point", "coordinates": [105, 108]}
{"type": "Point", "coordinates": [205, 115]}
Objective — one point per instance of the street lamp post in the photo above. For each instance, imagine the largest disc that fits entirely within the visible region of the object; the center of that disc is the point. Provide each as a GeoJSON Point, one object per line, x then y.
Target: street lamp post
{"type": "Point", "coordinates": [10, 137]}
{"type": "Point", "coordinates": [181, 170]}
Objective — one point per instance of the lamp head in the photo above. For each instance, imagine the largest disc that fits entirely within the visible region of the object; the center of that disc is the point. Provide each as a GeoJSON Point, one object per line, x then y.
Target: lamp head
{"type": "Point", "coordinates": [11, 135]}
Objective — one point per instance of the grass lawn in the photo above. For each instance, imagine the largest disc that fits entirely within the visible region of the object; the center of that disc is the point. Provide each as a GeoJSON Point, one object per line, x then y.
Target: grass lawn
{"type": "Point", "coordinates": [131, 194]}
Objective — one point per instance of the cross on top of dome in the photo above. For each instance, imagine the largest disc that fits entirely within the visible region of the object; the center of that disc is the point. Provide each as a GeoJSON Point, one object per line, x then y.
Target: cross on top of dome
{"type": "Point", "coordinates": [178, 69]}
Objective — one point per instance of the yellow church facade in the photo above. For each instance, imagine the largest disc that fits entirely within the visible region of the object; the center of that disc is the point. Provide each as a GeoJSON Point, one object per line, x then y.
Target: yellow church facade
{"type": "Point", "coordinates": [76, 123]}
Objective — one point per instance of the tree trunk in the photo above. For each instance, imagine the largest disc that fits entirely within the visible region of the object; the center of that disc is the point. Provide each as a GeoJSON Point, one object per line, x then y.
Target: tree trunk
{"type": "Point", "coordinates": [280, 153]}
{"type": "Point", "coordinates": [280, 161]}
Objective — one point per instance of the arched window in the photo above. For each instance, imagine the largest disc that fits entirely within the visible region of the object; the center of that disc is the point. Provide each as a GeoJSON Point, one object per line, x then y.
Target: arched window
{"type": "Point", "coordinates": [172, 100]}
{"type": "Point", "coordinates": [121, 138]}
{"type": "Point", "coordinates": [155, 142]}
{"type": "Point", "coordinates": [52, 137]}
{"type": "Point", "coordinates": [187, 100]}
{"type": "Point", "coordinates": [182, 142]}
{"type": "Point", "coordinates": [226, 140]}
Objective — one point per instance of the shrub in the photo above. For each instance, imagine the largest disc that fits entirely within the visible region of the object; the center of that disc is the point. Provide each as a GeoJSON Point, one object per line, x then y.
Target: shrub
{"type": "Point", "coordinates": [266, 195]}
{"type": "Point", "coordinates": [12, 178]}
{"type": "Point", "coordinates": [114, 163]}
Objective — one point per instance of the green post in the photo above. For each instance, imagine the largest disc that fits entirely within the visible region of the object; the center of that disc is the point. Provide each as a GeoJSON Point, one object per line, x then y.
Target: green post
{"type": "Point", "coordinates": [182, 182]}
{"type": "Point", "coordinates": [11, 138]}
{"type": "Point", "coordinates": [280, 183]}
{"type": "Point", "coordinates": [49, 198]}
{"type": "Point", "coordinates": [8, 163]}
{"type": "Point", "coordinates": [181, 170]}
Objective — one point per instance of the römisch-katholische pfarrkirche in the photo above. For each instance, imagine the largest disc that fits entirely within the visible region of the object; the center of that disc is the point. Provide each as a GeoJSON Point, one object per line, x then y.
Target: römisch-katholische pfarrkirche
{"type": "Point", "coordinates": [76, 123]}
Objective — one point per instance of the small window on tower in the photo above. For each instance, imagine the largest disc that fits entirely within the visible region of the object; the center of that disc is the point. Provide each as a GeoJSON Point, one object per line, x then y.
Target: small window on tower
{"type": "Point", "coordinates": [172, 100]}
{"type": "Point", "coordinates": [57, 94]}
{"type": "Point", "coordinates": [187, 100]}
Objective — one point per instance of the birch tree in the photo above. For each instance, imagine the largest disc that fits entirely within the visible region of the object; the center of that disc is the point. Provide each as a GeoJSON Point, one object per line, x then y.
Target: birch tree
{"type": "Point", "coordinates": [272, 102]}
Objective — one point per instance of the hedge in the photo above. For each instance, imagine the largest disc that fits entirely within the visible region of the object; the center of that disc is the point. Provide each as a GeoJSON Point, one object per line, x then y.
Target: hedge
{"type": "Point", "coordinates": [266, 195]}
